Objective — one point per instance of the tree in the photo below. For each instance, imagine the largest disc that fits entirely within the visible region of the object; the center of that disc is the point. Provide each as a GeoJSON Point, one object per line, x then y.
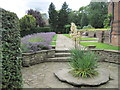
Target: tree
{"type": "Point", "coordinates": [27, 23]}
{"type": "Point", "coordinates": [63, 17]}
{"type": "Point", "coordinates": [74, 16]}
{"type": "Point", "coordinates": [84, 20]}
{"type": "Point", "coordinates": [37, 15]}
{"type": "Point", "coordinates": [53, 17]}
{"type": "Point", "coordinates": [97, 13]}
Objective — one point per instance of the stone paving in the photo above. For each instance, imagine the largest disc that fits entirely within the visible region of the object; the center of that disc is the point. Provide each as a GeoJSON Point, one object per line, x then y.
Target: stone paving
{"type": "Point", "coordinates": [64, 43]}
{"type": "Point", "coordinates": [42, 75]}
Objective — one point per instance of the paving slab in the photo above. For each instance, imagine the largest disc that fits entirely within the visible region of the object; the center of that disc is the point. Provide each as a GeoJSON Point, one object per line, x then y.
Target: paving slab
{"type": "Point", "coordinates": [42, 75]}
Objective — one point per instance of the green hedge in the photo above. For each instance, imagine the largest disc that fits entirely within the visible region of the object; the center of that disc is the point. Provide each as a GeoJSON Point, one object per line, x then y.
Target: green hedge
{"type": "Point", "coordinates": [103, 29]}
{"type": "Point", "coordinates": [35, 30]}
{"type": "Point", "coordinates": [11, 53]}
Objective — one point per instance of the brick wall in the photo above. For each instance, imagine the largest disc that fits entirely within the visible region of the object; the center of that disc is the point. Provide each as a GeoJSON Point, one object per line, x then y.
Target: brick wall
{"type": "Point", "coordinates": [116, 23]}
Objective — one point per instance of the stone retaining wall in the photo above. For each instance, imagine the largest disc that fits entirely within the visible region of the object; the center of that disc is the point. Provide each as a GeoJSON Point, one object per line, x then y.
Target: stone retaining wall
{"type": "Point", "coordinates": [37, 57]}
{"type": "Point", "coordinates": [104, 36]}
{"type": "Point", "coordinates": [108, 55]}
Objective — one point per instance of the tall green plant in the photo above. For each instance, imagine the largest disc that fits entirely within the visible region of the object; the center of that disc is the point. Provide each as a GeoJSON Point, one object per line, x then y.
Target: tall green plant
{"type": "Point", "coordinates": [27, 23]}
{"type": "Point", "coordinates": [53, 17]}
{"type": "Point", "coordinates": [11, 53]}
{"type": "Point", "coordinates": [83, 63]}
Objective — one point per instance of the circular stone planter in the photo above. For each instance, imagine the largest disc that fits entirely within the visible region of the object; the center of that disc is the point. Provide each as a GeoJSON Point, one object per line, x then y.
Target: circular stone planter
{"type": "Point", "coordinates": [64, 75]}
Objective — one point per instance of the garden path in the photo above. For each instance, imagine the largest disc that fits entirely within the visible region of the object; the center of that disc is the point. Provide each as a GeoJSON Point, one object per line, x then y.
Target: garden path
{"type": "Point", "coordinates": [64, 43]}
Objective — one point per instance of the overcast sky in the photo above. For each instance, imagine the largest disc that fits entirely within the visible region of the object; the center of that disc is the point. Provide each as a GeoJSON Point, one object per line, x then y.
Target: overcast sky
{"type": "Point", "coordinates": [21, 6]}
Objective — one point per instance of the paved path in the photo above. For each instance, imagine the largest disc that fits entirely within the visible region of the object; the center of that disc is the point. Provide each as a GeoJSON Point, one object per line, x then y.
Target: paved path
{"type": "Point", "coordinates": [42, 76]}
{"type": "Point", "coordinates": [64, 43]}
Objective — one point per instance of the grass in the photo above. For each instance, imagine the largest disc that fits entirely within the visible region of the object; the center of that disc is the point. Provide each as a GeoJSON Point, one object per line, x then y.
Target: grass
{"type": "Point", "coordinates": [67, 35]}
{"type": "Point", "coordinates": [36, 40]}
{"type": "Point", "coordinates": [100, 45]}
{"type": "Point", "coordinates": [82, 39]}
{"type": "Point", "coordinates": [88, 39]}
{"type": "Point", "coordinates": [54, 40]}
{"type": "Point", "coordinates": [53, 43]}
{"type": "Point", "coordinates": [103, 29]}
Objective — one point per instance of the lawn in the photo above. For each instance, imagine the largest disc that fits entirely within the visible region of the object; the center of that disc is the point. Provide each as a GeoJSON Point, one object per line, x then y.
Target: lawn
{"type": "Point", "coordinates": [54, 40]}
{"type": "Point", "coordinates": [83, 39]}
{"type": "Point", "coordinates": [100, 45]}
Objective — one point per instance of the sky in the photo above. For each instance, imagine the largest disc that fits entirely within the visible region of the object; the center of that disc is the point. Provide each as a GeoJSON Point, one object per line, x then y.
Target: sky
{"type": "Point", "coordinates": [21, 6]}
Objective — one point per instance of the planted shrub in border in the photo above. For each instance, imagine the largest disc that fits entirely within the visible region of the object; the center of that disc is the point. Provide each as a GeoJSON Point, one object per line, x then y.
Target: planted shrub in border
{"type": "Point", "coordinates": [83, 63]}
{"type": "Point", "coordinates": [11, 53]}
{"type": "Point", "coordinates": [35, 30]}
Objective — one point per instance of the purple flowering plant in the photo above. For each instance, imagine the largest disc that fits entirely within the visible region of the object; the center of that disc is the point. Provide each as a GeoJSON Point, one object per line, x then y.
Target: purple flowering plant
{"type": "Point", "coordinates": [36, 42]}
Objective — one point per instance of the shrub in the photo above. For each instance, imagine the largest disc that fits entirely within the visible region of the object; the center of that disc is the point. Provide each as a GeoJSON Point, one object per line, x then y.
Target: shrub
{"type": "Point", "coordinates": [35, 30]}
{"type": "Point", "coordinates": [83, 63]}
{"type": "Point", "coordinates": [88, 27]}
{"type": "Point", "coordinates": [36, 42]}
{"type": "Point", "coordinates": [11, 53]}
{"type": "Point", "coordinates": [27, 23]}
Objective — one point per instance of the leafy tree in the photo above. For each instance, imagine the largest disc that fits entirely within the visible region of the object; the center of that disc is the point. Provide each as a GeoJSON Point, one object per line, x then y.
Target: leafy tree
{"type": "Point", "coordinates": [27, 22]}
{"type": "Point", "coordinates": [63, 17]}
{"type": "Point", "coordinates": [84, 20]}
{"type": "Point", "coordinates": [53, 17]}
{"type": "Point", "coordinates": [97, 13]}
{"type": "Point", "coordinates": [37, 15]}
{"type": "Point", "coordinates": [74, 16]}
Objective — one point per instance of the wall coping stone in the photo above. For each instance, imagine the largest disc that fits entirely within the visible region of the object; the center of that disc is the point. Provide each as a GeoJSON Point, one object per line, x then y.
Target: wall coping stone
{"type": "Point", "coordinates": [107, 50]}
{"type": "Point", "coordinates": [37, 52]}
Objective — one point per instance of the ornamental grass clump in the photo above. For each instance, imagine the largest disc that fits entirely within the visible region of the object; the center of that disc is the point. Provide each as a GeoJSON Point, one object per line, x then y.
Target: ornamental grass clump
{"type": "Point", "coordinates": [83, 63]}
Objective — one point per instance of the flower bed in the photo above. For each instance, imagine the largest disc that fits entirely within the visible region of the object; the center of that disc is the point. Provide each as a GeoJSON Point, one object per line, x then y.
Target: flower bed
{"type": "Point", "coordinates": [37, 42]}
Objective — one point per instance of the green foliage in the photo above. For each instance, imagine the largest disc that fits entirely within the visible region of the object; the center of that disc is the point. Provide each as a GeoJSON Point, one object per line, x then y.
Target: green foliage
{"type": "Point", "coordinates": [11, 53]}
{"type": "Point", "coordinates": [103, 29]}
{"type": "Point", "coordinates": [74, 16]}
{"type": "Point", "coordinates": [54, 38]}
{"type": "Point", "coordinates": [84, 20]}
{"type": "Point", "coordinates": [97, 12]}
{"type": "Point", "coordinates": [35, 30]}
{"type": "Point", "coordinates": [67, 28]}
{"type": "Point", "coordinates": [100, 45]}
{"type": "Point", "coordinates": [53, 17]}
{"type": "Point", "coordinates": [63, 17]}
{"type": "Point", "coordinates": [107, 21]}
{"type": "Point", "coordinates": [82, 39]}
{"type": "Point", "coordinates": [27, 23]}
{"type": "Point", "coordinates": [83, 63]}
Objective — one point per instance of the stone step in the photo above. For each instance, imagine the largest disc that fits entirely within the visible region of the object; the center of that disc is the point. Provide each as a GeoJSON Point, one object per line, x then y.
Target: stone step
{"type": "Point", "coordinates": [62, 51]}
{"type": "Point", "coordinates": [58, 59]}
{"type": "Point", "coordinates": [62, 54]}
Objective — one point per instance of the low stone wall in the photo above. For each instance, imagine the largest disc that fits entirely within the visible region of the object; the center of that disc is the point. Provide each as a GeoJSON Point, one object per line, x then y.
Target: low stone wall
{"type": "Point", "coordinates": [104, 36]}
{"type": "Point", "coordinates": [108, 55]}
{"type": "Point", "coordinates": [37, 57]}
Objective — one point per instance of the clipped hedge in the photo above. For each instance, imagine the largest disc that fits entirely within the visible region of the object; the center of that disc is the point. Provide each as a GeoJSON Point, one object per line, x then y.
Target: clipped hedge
{"type": "Point", "coordinates": [11, 53]}
{"type": "Point", "coordinates": [101, 29]}
{"type": "Point", "coordinates": [35, 30]}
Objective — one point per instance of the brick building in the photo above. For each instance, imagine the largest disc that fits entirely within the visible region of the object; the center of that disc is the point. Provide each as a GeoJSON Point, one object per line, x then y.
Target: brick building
{"type": "Point", "coordinates": [114, 9]}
